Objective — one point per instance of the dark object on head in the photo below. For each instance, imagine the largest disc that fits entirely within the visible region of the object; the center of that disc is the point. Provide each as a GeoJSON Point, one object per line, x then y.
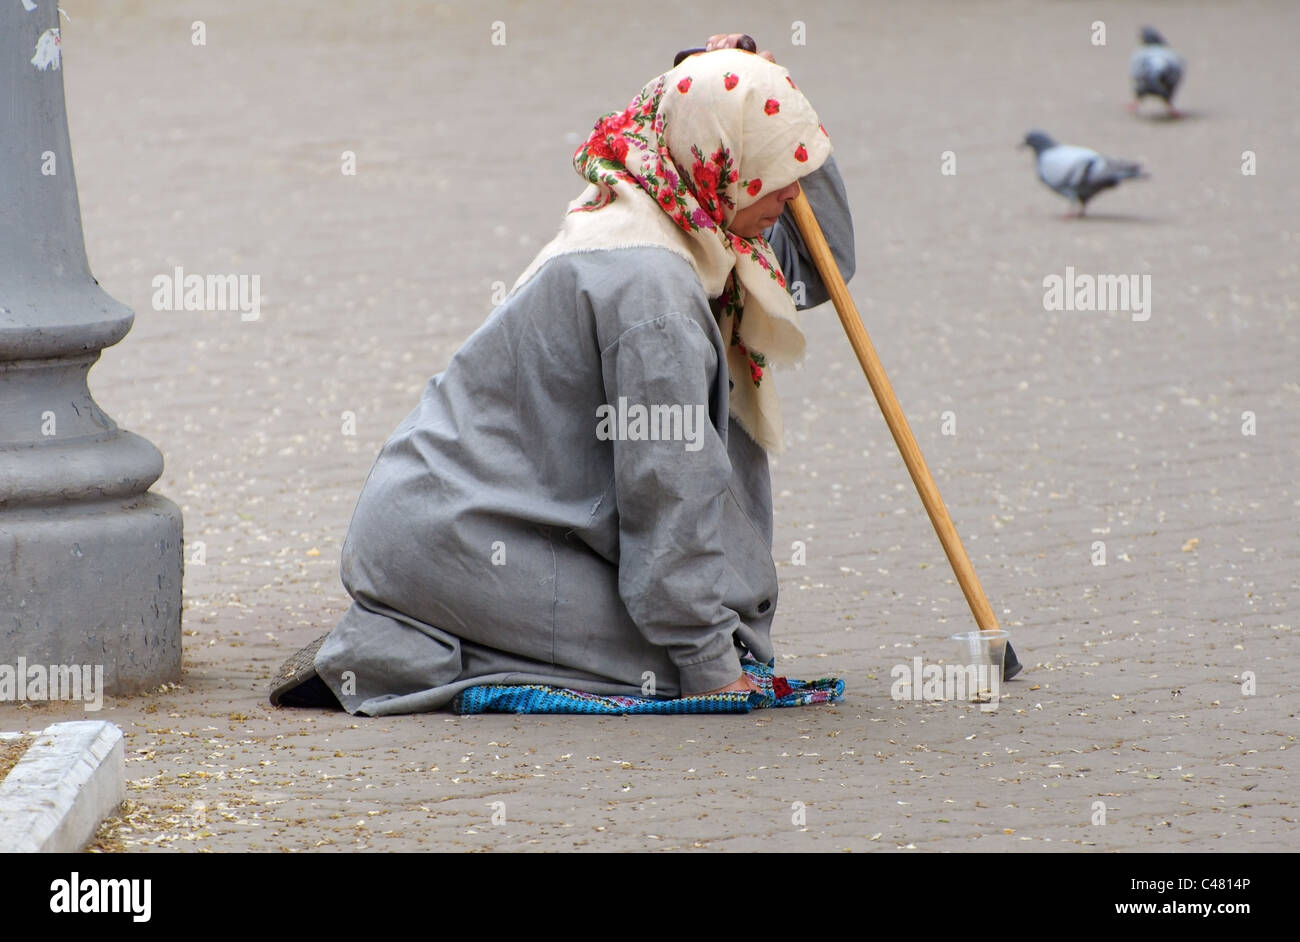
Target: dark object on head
{"type": "Point", "coordinates": [1150, 37]}
{"type": "Point", "coordinates": [746, 43]}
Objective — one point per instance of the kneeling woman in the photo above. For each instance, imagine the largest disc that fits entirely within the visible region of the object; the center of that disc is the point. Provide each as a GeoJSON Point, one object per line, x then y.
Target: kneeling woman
{"type": "Point", "coordinates": [582, 497]}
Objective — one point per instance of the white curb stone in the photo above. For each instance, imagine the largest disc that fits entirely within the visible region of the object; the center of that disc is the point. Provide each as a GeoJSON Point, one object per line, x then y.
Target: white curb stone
{"type": "Point", "coordinates": [70, 779]}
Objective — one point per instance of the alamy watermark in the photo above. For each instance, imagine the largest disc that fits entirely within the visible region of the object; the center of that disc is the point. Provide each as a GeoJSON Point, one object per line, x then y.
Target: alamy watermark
{"type": "Point", "coordinates": [977, 683]}
{"type": "Point", "coordinates": [1075, 292]}
{"type": "Point", "coordinates": [89, 895]}
{"type": "Point", "coordinates": [24, 682]}
{"type": "Point", "coordinates": [181, 292]}
{"type": "Point", "coordinates": [670, 422]}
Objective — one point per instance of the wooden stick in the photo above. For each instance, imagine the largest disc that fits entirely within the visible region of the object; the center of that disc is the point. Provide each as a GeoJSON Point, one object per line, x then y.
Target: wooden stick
{"type": "Point", "coordinates": [894, 418]}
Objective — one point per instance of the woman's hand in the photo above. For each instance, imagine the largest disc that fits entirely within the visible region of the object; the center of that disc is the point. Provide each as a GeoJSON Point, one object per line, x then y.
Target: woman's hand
{"type": "Point", "coordinates": [730, 41]}
{"type": "Point", "coordinates": [744, 684]}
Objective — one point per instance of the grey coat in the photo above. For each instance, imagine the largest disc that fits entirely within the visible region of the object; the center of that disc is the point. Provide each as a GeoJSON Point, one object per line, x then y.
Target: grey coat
{"type": "Point", "coordinates": [501, 538]}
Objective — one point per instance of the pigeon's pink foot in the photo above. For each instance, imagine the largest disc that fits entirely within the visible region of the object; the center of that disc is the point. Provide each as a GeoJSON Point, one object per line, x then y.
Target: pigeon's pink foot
{"type": "Point", "coordinates": [1132, 106]}
{"type": "Point", "coordinates": [1174, 112]}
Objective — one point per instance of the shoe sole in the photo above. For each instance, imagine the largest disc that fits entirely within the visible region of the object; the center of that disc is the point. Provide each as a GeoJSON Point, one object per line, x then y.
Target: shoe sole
{"type": "Point", "coordinates": [301, 666]}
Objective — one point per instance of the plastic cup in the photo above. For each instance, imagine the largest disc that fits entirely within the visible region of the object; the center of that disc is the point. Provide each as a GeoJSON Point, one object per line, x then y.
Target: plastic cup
{"type": "Point", "coordinates": [986, 651]}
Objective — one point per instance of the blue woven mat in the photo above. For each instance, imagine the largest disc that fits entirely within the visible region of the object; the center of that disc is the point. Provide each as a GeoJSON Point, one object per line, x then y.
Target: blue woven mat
{"type": "Point", "coordinates": [543, 698]}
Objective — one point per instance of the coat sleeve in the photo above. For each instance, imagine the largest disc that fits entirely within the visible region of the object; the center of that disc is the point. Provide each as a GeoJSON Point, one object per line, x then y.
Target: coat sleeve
{"type": "Point", "coordinates": [669, 494]}
{"type": "Point", "coordinates": [824, 188]}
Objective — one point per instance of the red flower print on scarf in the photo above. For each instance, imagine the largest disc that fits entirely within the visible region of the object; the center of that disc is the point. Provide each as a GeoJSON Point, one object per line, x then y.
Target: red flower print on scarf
{"type": "Point", "coordinates": [706, 189]}
{"type": "Point", "coordinates": [733, 304]}
{"type": "Point", "coordinates": [771, 106]}
{"type": "Point", "coordinates": [753, 186]}
{"type": "Point", "coordinates": [756, 360]}
{"type": "Point", "coordinates": [800, 154]}
{"type": "Point", "coordinates": [729, 80]}
{"type": "Point", "coordinates": [705, 176]}
{"type": "Point", "coordinates": [746, 246]}
{"type": "Point", "coordinates": [614, 123]}
{"type": "Point", "coordinates": [607, 140]}
{"type": "Point", "coordinates": [611, 149]}
{"type": "Point", "coordinates": [710, 176]}
{"type": "Point", "coordinates": [684, 85]}
{"type": "Point", "coordinates": [722, 158]}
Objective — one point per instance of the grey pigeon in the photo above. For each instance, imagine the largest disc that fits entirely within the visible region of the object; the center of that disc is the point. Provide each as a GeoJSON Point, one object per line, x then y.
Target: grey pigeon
{"type": "Point", "coordinates": [1156, 70]}
{"type": "Point", "coordinates": [1077, 173]}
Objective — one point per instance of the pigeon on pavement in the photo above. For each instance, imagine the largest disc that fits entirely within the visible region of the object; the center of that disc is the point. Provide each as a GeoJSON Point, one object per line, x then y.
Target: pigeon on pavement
{"type": "Point", "coordinates": [1077, 173]}
{"type": "Point", "coordinates": [1156, 70]}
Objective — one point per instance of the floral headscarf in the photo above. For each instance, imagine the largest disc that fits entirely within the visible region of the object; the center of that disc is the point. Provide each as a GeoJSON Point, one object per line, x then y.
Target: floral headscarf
{"type": "Point", "coordinates": [698, 143]}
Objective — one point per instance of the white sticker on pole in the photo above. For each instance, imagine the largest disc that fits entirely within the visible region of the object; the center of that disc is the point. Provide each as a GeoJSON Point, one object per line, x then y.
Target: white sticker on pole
{"type": "Point", "coordinates": [48, 52]}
